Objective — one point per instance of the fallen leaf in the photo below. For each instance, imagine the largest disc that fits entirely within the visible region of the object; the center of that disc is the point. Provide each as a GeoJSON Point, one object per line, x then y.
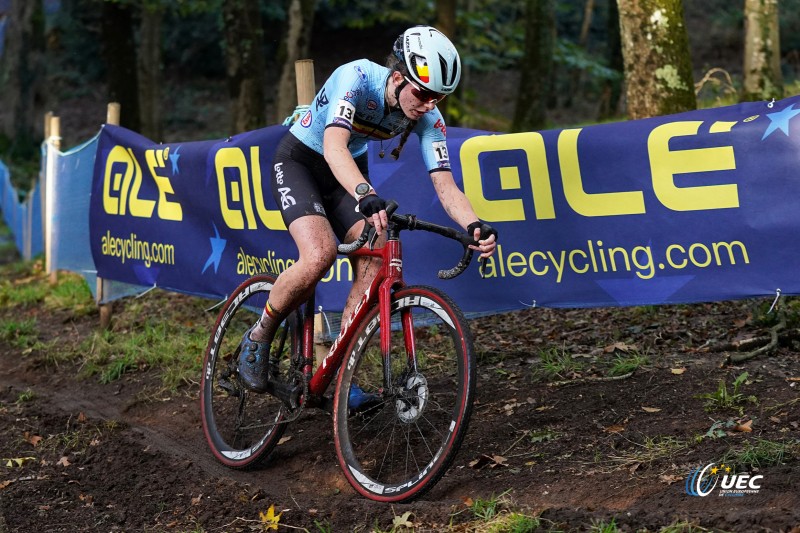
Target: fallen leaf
{"type": "Point", "coordinates": [616, 428]}
{"type": "Point", "coordinates": [746, 427]}
{"type": "Point", "coordinates": [197, 499]}
{"type": "Point", "coordinates": [678, 371]}
{"type": "Point", "coordinates": [792, 379]}
{"type": "Point", "coordinates": [650, 409]}
{"type": "Point", "coordinates": [669, 479]}
{"type": "Point", "coordinates": [270, 519]}
{"type": "Point", "coordinates": [468, 501]}
{"type": "Point", "coordinates": [284, 440]}
{"type": "Point", "coordinates": [81, 417]}
{"type": "Point", "coordinates": [490, 460]}
{"type": "Point", "coordinates": [17, 462]}
{"type": "Point", "coordinates": [402, 521]}
{"type": "Point", "coordinates": [33, 440]}
{"type": "Point", "coordinates": [4, 484]}
{"type": "Point", "coordinates": [64, 461]}
{"type": "Point", "coordinates": [775, 419]}
{"type": "Point", "coordinates": [621, 346]}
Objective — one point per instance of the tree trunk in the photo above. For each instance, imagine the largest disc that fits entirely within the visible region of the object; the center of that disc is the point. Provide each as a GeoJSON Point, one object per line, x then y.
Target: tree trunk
{"type": "Point", "coordinates": [296, 45]}
{"type": "Point", "coordinates": [612, 89]}
{"type": "Point", "coordinates": [446, 23]}
{"type": "Point", "coordinates": [21, 75]}
{"type": "Point", "coordinates": [583, 41]}
{"type": "Point", "coordinates": [655, 49]}
{"type": "Point", "coordinates": [150, 71]}
{"type": "Point", "coordinates": [244, 57]}
{"type": "Point", "coordinates": [119, 48]}
{"type": "Point", "coordinates": [536, 66]}
{"type": "Point", "coordinates": [762, 51]}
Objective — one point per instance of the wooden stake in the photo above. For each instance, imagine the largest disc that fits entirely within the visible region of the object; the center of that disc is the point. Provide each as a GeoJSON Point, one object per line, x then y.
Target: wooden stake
{"type": "Point", "coordinates": [105, 309]}
{"type": "Point", "coordinates": [304, 73]}
{"type": "Point", "coordinates": [54, 140]}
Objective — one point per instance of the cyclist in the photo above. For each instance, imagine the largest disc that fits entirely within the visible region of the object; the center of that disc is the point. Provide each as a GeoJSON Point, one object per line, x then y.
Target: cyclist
{"type": "Point", "coordinates": [321, 181]}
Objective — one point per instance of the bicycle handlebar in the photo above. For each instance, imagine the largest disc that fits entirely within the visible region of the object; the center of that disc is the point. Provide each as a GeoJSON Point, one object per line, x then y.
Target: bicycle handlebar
{"type": "Point", "coordinates": [410, 222]}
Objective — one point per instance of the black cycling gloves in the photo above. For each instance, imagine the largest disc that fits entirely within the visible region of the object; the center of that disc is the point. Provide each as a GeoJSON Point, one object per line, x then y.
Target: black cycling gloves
{"type": "Point", "coordinates": [371, 204]}
{"type": "Point", "coordinates": [486, 230]}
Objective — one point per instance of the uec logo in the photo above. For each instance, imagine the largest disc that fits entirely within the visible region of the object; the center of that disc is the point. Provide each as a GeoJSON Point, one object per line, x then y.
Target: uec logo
{"type": "Point", "coordinates": [702, 482]}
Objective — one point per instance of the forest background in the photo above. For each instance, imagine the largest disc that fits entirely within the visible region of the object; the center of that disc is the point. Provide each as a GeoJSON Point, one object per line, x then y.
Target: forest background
{"type": "Point", "coordinates": [188, 70]}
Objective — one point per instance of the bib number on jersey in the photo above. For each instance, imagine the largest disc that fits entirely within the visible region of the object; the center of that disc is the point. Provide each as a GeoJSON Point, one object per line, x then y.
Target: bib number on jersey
{"type": "Point", "coordinates": [344, 113]}
{"type": "Point", "coordinates": [440, 152]}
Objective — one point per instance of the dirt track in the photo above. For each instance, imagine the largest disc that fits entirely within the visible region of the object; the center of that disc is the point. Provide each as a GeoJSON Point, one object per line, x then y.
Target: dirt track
{"type": "Point", "coordinates": [116, 458]}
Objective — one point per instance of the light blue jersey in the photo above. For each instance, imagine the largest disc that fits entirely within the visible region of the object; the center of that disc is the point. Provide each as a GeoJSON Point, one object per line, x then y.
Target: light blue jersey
{"type": "Point", "coordinates": [354, 98]}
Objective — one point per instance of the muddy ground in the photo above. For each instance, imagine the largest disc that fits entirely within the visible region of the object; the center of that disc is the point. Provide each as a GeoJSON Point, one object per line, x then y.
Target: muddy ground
{"type": "Point", "coordinates": [552, 436]}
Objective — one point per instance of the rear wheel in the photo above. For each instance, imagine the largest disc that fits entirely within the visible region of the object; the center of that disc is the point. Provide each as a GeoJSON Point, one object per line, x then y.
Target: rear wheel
{"type": "Point", "coordinates": [243, 427]}
{"type": "Point", "coordinates": [399, 418]}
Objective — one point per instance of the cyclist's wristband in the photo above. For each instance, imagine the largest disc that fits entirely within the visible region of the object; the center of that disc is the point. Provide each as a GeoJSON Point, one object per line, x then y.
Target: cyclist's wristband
{"type": "Point", "coordinates": [371, 204]}
{"type": "Point", "coordinates": [486, 230]}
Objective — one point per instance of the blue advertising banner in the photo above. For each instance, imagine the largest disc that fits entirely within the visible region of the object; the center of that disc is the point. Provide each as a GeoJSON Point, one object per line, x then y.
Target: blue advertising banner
{"type": "Point", "coordinates": [699, 206]}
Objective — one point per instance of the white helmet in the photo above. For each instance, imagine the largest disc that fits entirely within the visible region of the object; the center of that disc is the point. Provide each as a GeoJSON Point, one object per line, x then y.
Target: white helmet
{"type": "Point", "coordinates": [430, 57]}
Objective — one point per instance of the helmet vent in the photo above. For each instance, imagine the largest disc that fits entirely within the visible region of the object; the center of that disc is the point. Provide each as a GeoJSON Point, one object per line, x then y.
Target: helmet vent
{"type": "Point", "coordinates": [448, 77]}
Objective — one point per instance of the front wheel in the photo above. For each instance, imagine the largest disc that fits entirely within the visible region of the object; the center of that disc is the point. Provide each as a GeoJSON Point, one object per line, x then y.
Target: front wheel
{"type": "Point", "coordinates": [243, 427]}
{"type": "Point", "coordinates": [400, 417]}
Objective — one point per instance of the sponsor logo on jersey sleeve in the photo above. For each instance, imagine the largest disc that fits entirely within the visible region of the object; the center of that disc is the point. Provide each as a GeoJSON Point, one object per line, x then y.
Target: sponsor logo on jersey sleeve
{"type": "Point", "coordinates": [307, 119]}
{"type": "Point", "coordinates": [322, 99]}
{"type": "Point", "coordinates": [440, 126]}
{"type": "Point", "coordinates": [372, 105]}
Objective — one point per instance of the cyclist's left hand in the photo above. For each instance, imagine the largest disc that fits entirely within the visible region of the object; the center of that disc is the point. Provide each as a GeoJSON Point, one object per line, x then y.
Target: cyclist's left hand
{"type": "Point", "coordinates": [486, 237]}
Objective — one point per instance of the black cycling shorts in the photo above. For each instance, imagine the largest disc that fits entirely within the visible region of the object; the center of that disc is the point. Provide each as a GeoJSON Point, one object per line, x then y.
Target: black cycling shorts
{"type": "Point", "coordinates": [303, 185]}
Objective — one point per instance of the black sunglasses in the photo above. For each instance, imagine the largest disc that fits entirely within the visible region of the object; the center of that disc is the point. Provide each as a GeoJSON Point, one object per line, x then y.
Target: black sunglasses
{"type": "Point", "coordinates": [424, 95]}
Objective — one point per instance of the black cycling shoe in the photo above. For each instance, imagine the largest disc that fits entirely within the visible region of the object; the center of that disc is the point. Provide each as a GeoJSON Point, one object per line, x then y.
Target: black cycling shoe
{"type": "Point", "coordinates": [254, 363]}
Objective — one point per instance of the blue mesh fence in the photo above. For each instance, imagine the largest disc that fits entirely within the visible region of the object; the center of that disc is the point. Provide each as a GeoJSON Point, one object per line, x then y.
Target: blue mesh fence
{"type": "Point", "coordinates": [70, 220]}
{"type": "Point", "coordinates": [72, 182]}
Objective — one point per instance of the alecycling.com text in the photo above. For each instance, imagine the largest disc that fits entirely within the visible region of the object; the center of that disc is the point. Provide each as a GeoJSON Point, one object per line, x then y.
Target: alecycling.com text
{"type": "Point", "coordinates": [131, 248]}
{"type": "Point", "coordinates": [595, 257]}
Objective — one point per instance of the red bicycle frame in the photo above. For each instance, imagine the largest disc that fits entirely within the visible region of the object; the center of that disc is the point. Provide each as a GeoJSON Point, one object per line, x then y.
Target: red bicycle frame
{"type": "Point", "coordinates": [389, 276]}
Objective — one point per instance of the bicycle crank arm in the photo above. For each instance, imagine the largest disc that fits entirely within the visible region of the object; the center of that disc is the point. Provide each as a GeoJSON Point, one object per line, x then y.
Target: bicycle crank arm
{"type": "Point", "coordinates": [288, 394]}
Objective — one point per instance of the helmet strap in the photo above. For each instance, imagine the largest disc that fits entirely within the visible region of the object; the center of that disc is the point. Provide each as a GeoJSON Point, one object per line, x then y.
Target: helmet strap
{"type": "Point", "coordinates": [397, 93]}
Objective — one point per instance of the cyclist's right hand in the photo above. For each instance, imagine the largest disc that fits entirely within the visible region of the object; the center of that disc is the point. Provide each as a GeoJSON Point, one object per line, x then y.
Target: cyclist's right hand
{"type": "Point", "coordinates": [373, 208]}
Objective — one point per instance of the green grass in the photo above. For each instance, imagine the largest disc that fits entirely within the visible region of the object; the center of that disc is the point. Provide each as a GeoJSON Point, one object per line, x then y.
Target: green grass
{"type": "Point", "coordinates": [19, 333]}
{"type": "Point", "coordinates": [761, 453]}
{"type": "Point", "coordinates": [601, 526]}
{"type": "Point", "coordinates": [23, 292]}
{"type": "Point", "coordinates": [626, 364]}
{"type": "Point", "coordinates": [170, 346]}
{"type": "Point", "coordinates": [722, 398]}
{"type": "Point", "coordinates": [651, 450]}
{"type": "Point", "coordinates": [160, 332]}
{"type": "Point", "coordinates": [557, 364]}
{"type": "Point", "coordinates": [70, 293]}
{"type": "Point", "coordinates": [488, 509]}
{"type": "Point", "coordinates": [683, 527]}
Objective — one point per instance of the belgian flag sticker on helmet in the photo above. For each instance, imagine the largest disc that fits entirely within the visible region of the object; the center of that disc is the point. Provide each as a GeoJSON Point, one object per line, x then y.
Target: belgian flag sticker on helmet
{"type": "Point", "coordinates": [422, 72]}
